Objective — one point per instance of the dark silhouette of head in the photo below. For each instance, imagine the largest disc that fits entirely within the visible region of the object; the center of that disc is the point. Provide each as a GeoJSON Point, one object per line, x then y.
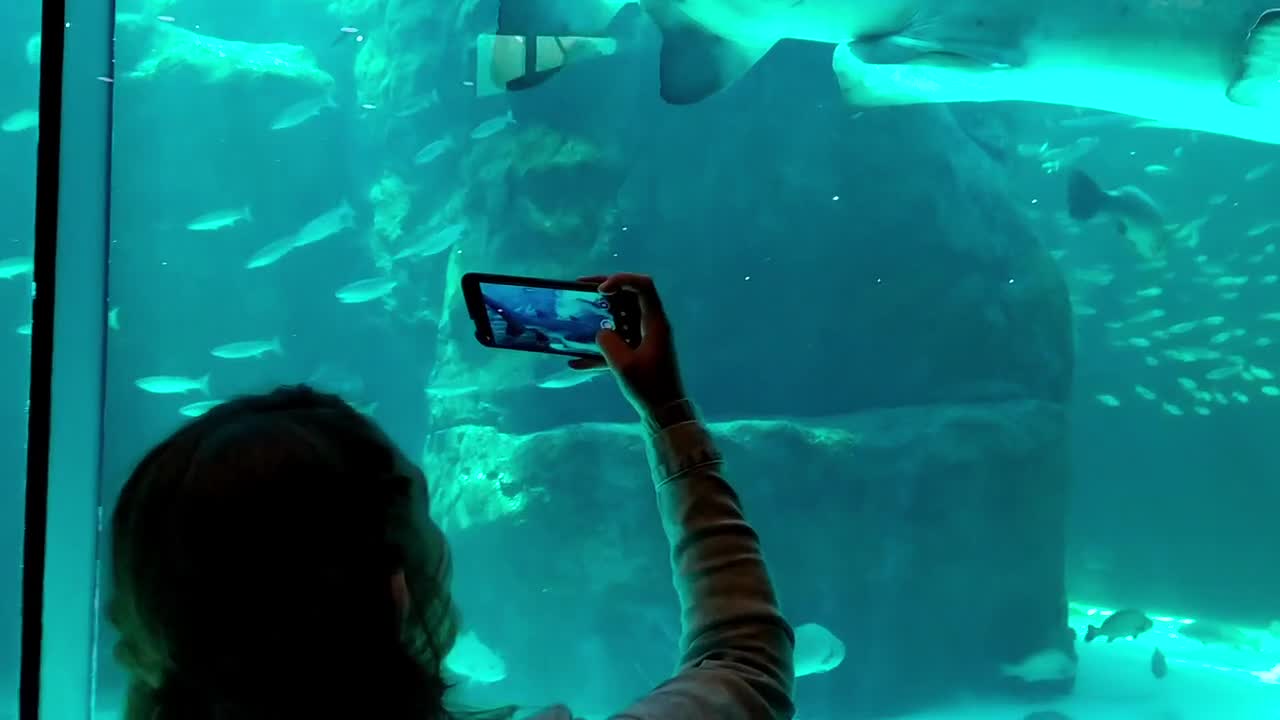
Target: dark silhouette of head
{"type": "Point", "coordinates": [274, 558]}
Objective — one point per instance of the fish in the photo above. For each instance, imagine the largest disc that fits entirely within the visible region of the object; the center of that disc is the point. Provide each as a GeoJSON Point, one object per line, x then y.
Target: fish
{"type": "Point", "coordinates": [365, 290]}
{"type": "Point", "coordinates": [419, 103]}
{"type": "Point", "coordinates": [1259, 172]}
{"type": "Point", "coordinates": [21, 121]}
{"type": "Point", "coordinates": [1095, 121]}
{"type": "Point", "coordinates": [344, 33]}
{"type": "Point", "coordinates": [493, 126]}
{"type": "Point", "coordinates": [1208, 66]}
{"type": "Point", "coordinates": [1213, 633]}
{"type": "Point", "coordinates": [173, 384]}
{"type": "Point", "coordinates": [329, 223]}
{"type": "Point", "coordinates": [12, 267]}
{"type": "Point", "coordinates": [817, 650]}
{"type": "Point", "coordinates": [271, 253]}
{"type": "Point", "coordinates": [1135, 214]}
{"type": "Point", "coordinates": [302, 111]}
{"type": "Point", "coordinates": [1159, 666]}
{"type": "Point", "coordinates": [220, 219]}
{"type": "Point", "coordinates": [248, 349]}
{"type": "Point", "coordinates": [33, 49]}
{"type": "Point", "coordinates": [1054, 160]}
{"type": "Point", "coordinates": [1120, 624]}
{"type": "Point", "coordinates": [196, 409]}
{"type": "Point", "coordinates": [1262, 229]}
{"type": "Point", "coordinates": [567, 379]}
{"type": "Point", "coordinates": [1047, 665]}
{"type": "Point", "coordinates": [434, 243]}
{"type": "Point", "coordinates": [432, 151]}
{"type": "Point", "coordinates": [474, 660]}
{"type": "Point", "coordinates": [450, 391]}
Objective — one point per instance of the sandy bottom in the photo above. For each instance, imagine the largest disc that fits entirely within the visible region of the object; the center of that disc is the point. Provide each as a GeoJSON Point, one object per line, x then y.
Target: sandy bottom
{"type": "Point", "coordinates": [1114, 682]}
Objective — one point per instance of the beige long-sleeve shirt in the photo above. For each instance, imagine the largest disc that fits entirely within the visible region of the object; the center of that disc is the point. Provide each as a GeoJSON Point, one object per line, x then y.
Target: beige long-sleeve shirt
{"type": "Point", "coordinates": [736, 649]}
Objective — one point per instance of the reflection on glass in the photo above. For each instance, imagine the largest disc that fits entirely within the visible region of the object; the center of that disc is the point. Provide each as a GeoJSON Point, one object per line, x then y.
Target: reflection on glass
{"type": "Point", "coordinates": [19, 66]}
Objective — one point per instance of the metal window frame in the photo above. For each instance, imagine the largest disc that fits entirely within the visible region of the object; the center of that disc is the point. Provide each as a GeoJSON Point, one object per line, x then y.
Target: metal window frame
{"type": "Point", "coordinates": [68, 362]}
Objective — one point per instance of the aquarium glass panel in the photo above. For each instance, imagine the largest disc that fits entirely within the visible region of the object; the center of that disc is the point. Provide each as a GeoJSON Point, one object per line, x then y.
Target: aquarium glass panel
{"type": "Point", "coordinates": [20, 66]}
{"type": "Point", "coordinates": [980, 306]}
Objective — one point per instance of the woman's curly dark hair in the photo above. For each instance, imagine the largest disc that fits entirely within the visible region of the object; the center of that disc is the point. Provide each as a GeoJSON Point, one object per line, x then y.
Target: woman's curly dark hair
{"type": "Point", "coordinates": [252, 560]}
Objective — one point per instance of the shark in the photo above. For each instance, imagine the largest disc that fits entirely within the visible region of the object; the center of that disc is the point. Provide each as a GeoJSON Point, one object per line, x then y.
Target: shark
{"type": "Point", "coordinates": [1206, 65]}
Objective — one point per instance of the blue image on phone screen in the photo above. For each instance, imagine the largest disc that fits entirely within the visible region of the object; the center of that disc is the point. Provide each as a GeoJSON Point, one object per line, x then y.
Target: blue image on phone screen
{"type": "Point", "coordinates": [533, 318]}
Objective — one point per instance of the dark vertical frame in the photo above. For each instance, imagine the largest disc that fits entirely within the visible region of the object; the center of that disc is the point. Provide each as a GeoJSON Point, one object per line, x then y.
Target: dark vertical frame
{"type": "Point", "coordinates": [39, 413]}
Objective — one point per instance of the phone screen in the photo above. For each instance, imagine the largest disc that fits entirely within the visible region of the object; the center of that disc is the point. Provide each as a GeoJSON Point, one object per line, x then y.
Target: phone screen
{"type": "Point", "coordinates": [543, 319]}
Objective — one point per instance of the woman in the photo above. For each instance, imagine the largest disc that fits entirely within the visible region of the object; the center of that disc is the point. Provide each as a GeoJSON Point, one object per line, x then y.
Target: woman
{"type": "Point", "coordinates": [275, 559]}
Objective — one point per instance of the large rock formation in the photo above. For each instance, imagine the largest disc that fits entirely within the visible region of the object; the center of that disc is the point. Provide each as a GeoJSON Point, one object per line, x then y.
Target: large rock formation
{"type": "Point", "coordinates": [929, 538]}
{"type": "Point", "coordinates": [865, 276]}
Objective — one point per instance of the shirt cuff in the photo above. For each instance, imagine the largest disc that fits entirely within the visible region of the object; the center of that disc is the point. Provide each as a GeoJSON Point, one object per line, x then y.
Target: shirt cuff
{"type": "Point", "coordinates": [678, 442]}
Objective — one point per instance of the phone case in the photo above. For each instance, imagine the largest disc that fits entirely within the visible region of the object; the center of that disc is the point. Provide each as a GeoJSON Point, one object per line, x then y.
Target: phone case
{"type": "Point", "coordinates": [555, 317]}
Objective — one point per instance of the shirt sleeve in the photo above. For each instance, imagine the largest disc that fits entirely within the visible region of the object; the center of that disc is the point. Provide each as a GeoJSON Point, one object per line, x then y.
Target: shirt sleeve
{"type": "Point", "coordinates": [736, 648]}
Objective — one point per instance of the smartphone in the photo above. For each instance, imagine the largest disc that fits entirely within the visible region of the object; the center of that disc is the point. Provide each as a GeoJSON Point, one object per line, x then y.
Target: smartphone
{"type": "Point", "coordinates": [556, 317]}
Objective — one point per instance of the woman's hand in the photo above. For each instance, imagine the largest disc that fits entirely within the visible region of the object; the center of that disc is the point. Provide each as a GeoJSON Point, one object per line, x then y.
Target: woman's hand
{"type": "Point", "coordinates": [648, 375]}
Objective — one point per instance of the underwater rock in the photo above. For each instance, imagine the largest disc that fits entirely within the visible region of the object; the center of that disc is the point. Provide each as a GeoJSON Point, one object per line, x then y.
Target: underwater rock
{"type": "Point", "coordinates": [858, 259]}
{"type": "Point", "coordinates": [941, 562]}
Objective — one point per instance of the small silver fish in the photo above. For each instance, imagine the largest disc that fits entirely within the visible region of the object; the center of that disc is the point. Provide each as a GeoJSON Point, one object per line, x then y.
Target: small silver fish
{"type": "Point", "coordinates": [270, 253]}
{"type": "Point", "coordinates": [12, 267]}
{"type": "Point", "coordinates": [493, 126]}
{"type": "Point", "coordinates": [365, 290]}
{"type": "Point", "coordinates": [328, 223]}
{"type": "Point", "coordinates": [445, 391]}
{"type": "Point", "coordinates": [21, 121]}
{"type": "Point", "coordinates": [196, 409]}
{"type": "Point", "coordinates": [302, 111]}
{"type": "Point", "coordinates": [1259, 172]}
{"type": "Point", "coordinates": [817, 650]}
{"type": "Point", "coordinates": [417, 104]}
{"type": "Point", "coordinates": [474, 660]}
{"type": "Point", "coordinates": [248, 349]}
{"type": "Point", "coordinates": [432, 151]}
{"type": "Point", "coordinates": [1213, 633]}
{"type": "Point", "coordinates": [173, 384]}
{"type": "Point", "coordinates": [1047, 665]}
{"type": "Point", "coordinates": [33, 49]}
{"type": "Point", "coordinates": [435, 243]}
{"type": "Point", "coordinates": [568, 378]}
{"type": "Point", "coordinates": [219, 219]}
